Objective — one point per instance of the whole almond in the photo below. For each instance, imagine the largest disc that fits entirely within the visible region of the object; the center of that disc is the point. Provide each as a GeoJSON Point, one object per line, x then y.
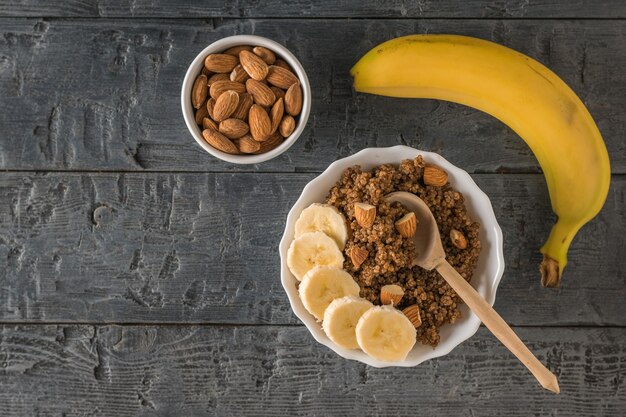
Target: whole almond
{"type": "Point", "coordinates": [282, 63]}
{"type": "Point", "coordinates": [225, 105]}
{"type": "Point", "coordinates": [245, 102]}
{"type": "Point", "coordinates": [260, 124]}
{"type": "Point", "coordinates": [201, 113]}
{"type": "Point", "coordinates": [435, 176]}
{"type": "Point", "coordinates": [254, 65]}
{"type": "Point", "coordinates": [210, 105]}
{"type": "Point", "coordinates": [238, 74]}
{"type": "Point", "coordinates": [278, 109]}
{"type": "Point", "coordinates": [247, 144]}
{"type": "Point", "coordinates": [220, 63]}
{"type": "Point", "coordinates": [265, 54]}
{"type": "Point", "coordinates": [218, 77]}
{"type": "Point", "coordinates": [260, 92]}
{"type": "Point", "coordinates": [219, 141]}
{"type": "Point", "coordinates": [220, 87]}
{"type": "Point", "coordinates": [208, 123]}
{"type": "Point", "coordinates": [287, 125]}
{"type": "Point", "coordinates": [272, 142]}
{"type": "Point", "coordinates": [235, 50]}
{"type": "Point", "coordinates": [293, 99]}
{"type": "Point", "coordinates": [278, 92]}
{"type": "Point", "coordinates": [233, 128]}
{"type": "Point", "coordinates": [199, 91]}
{"type": "Point", "coordinates": [281, 77]}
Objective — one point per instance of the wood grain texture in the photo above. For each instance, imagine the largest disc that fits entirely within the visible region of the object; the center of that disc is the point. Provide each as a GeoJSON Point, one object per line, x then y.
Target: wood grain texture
{"type": "Point", "coordinates": [317, 8]}
{"type": "Point", "coordinates": [282, 371]}
{"type": "Point", "coordinates": [204, 247]}
{"type": "Point", "coordinates": [104, 94]}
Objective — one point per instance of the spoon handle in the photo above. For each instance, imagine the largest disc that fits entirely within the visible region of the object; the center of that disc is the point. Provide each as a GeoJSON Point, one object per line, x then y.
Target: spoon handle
{"type": "Point", "coordinates": [498, 326]}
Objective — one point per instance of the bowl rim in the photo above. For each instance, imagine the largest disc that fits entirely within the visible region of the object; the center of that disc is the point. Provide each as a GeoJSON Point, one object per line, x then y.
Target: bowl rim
{"type": "Point", "coordinates": [488, 290]}
{"type": "Point", "coordinates": [194, 70]}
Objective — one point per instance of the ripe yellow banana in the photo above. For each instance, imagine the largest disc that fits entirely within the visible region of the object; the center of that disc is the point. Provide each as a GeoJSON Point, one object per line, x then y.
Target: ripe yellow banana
{"type": "Point", "coordinates": [523, 94]}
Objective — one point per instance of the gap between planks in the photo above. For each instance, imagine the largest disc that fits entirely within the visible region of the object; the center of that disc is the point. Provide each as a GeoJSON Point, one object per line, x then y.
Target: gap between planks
{"type": "Point", "coordinates": [229, 325]}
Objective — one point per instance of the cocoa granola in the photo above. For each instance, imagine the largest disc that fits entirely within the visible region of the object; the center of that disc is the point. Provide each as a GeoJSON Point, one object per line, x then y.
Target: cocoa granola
{"type": "Point", "coordinates": [389, 254]}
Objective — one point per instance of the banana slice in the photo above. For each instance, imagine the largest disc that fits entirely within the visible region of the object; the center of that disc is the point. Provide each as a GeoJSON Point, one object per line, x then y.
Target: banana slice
{"type": "Point", "coordinates": [322, 284]}
{"type": "Point", "coordinates": [341, 317]}
{"type": "Point", "coordinates": [385, 334]}
{"type": "Point", "coordinates": [323, 218]}
{"type": "Point", "coordinates": [310, 250]}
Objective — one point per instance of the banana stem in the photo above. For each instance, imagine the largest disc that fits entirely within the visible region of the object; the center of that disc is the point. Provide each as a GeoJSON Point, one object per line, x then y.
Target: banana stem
{"type": "Point", "coordinates": [555, 252]}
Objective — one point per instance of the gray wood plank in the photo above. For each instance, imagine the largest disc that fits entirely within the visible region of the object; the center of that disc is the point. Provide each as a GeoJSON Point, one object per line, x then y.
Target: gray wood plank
{"type": "Point", "coordinates": [104, 94]}
{"type": "Point", "coordinates": [317, 8]}
{"type": "Point", "coordinates": [203, 248]}
{"type": "Point", "coordinates": [282, 371]}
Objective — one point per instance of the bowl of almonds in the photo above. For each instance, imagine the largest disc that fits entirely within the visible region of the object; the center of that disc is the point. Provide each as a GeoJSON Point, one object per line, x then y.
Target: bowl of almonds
{"type": "Point", "coordinates": [245, 99]}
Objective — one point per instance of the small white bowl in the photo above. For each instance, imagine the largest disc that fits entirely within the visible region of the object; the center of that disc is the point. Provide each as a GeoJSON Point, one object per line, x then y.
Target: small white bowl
{"type": "Point", "coordinates": [220, 46]}
{"type": "Point", "coordinates": [486, 275]}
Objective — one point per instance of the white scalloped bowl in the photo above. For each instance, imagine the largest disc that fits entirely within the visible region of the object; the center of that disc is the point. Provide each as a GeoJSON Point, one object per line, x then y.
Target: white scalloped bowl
{"type": "Point", "coordinates": [486, 275]}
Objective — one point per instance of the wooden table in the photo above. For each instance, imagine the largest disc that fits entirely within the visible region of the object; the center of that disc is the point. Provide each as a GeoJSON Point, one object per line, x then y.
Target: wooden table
{"type": "Point", "coordinates": [140, 276]}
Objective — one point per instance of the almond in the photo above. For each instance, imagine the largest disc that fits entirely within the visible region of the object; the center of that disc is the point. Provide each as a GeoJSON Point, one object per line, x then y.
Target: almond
{"type": "Point", "coordinates": [201, 113]}
{"type": "Point", "coordinates": [255, 67]}
{"type": "Point", "coordinates": [261, 93]}
{"type": "Point", "coordinates": [219, 141]}
{"type": "Point", "coordinates": [365, 214]}
{"type": "Point", "coordinates": [282, 63]}
{"type": "Point", "coordinates": [205, 72]}
{"type": "Point", "coordinates": [272, 142]}
{"type": "Point", "coordinates": [391, 294]}
{"type": "Point", "coordinates": [235, 50]}
{"type": "Point", "coordinates": [245, 102]}
{"type": "Point", "coordinates": [220, 63]}
{"type": "Point", "coordinates": [247, 144]}
{"type": "Point", "coordinates": [233, 128]}
{"type": "Point", "coordinates": [199, 91]}
{"type": "Point", "coordinates": [238, 74]}
{"type": "Point", "coordinates": [435, 176]}
{"type": "Point", "coordinates": [220, 87]}
{"type": "Point", "coordinates": [287, 125]}
{"type": "Point", "coordinates": [413, 314]}
{"type": "Point", "coordinates": [358, 255]}
{"type": "Point", "coordinates": [265, 54]}
{"type": "Point", "coordinates": [210, 105]}
{"type": "Point", "coordinates": [260, 124]}
{"type": "Point", "coordinates": [278, 109]}
{"type": "Point", "coordinates": [281, 77]}
{"type": "Point", "coordinates": [218, 77]}
{"type": "Point", "coordinates": [225, 105]}
{"type": "Point", "coordinates": [278, 92]}
{"type": "Point", "coordinates": [293, 99]}
{"type": "Point", "coordinates": [458, 239]}
{"type": "Point", "coordinates": [407, 225]}
{"type": "Point", "coordinates": [208, 123]}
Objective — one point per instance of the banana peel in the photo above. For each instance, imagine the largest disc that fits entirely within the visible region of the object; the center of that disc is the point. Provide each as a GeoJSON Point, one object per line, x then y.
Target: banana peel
{"type": "Point", "coordinates": [523, 94]}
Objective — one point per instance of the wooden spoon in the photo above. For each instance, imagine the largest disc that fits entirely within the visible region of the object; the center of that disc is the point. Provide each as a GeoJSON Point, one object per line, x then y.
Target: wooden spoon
{"type": "Point", "coordinates": [430, 255]}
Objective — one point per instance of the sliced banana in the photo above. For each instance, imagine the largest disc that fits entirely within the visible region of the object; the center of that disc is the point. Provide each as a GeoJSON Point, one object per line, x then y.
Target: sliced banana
{"type": "Point", "coordinates": [310, 250]}
{"type": "Point", "coordinates": [322, 284]}
{"type": "Point", "coordinates": [341, 317]}
{"type": "Point", "coordinates": [323, 218]}
{"type": "Point", "coordinates": [385, 334]}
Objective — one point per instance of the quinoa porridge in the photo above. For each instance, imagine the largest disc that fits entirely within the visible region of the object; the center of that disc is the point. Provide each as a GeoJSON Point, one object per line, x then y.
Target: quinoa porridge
{"type": "Point", "coordinates": [389, 255]}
